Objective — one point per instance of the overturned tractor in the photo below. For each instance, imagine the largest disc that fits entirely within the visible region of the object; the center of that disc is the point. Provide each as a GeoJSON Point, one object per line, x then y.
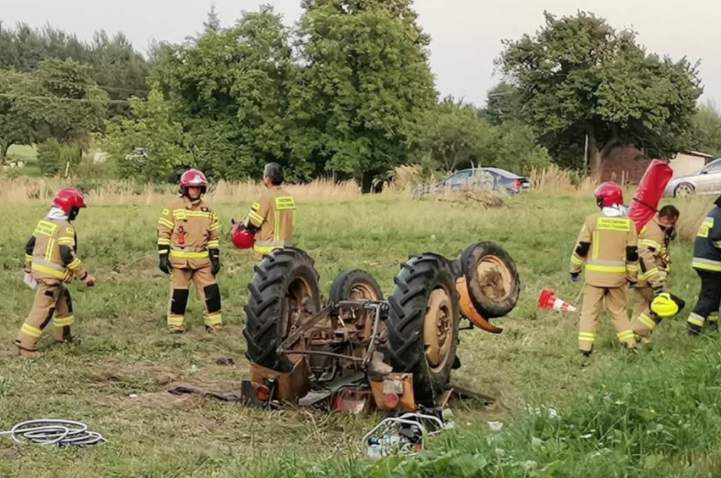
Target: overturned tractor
{"type": "Point", "coordinates": [359, 351]}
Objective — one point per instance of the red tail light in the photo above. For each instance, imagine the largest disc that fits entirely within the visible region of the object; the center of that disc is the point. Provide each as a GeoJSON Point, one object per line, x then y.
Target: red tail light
{"type": "Point", "coordinates": [262, 393]}
{"type": "Point", "coordinates": [391, 400]}
{"type": "Point", "coordinates": [517, 185]}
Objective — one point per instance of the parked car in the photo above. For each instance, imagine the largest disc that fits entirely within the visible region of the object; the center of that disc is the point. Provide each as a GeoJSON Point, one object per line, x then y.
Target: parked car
{"type": "Point", "coordinates": [706, 181]}
{"type": "Point", "coordinates": [490, 179]}
{"type": "Point", "coordinates": [509, 181]}
{"type": "Point", "coordinates": [465, 179]}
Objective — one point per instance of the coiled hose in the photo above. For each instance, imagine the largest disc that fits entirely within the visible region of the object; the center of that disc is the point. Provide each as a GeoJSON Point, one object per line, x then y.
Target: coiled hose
{"type": "Point", "coordinates": [49, 431]}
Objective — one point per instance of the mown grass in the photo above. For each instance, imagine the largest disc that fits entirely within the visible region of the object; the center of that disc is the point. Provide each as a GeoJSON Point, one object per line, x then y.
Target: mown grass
{"type": "Point", "coordinates": [117, 379]}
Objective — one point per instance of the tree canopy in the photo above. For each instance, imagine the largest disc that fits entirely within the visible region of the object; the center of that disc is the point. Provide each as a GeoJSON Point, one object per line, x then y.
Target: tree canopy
{"type": "Point", "coordinates": [578, 76]}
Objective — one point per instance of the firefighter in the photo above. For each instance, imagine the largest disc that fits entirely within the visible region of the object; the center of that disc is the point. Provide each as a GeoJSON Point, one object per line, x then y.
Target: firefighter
{"type": "Point", "coordinates": [654, 261]}
{"type": "Point", "coordinates": [189, 251]}
{"type": "Point", "coordinates": [51, 259]}
{"type": "Point", "coordinates": [707, 263]}
{"type": "Point", "coordinates": [272, 218]}
{"type": "Point", "coordinates": [606, 248]}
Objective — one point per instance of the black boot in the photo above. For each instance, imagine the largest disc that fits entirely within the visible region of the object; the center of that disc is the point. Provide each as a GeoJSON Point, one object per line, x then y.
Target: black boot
{"type": "Point", "coordinates": [694, 330]}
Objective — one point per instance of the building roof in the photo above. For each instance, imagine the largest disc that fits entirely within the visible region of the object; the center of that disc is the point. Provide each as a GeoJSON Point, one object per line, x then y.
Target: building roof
{"type": "Point", "coordinates": [699, 154]}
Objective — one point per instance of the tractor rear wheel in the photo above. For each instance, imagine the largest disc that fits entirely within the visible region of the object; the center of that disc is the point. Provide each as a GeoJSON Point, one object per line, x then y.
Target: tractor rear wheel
{"type": "Point", "coordinates": [423, 324]}
{"type": "Point", "coordinates": [492, 279]}
{"type": "Point", "coordinates": [356, 284]}
{"type": "Point", "coordinates": [284, 288]}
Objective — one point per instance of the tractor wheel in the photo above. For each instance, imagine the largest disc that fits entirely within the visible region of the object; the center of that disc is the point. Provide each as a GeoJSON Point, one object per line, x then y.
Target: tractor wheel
{"type": "Point", "coordinates": [355, 285]}
{"type": "Point", "coordinates": [423, 324]}
{"type": "Point", "coordinates": [284, 288]}
{"type": "Point", "coordinates": [492, 279]}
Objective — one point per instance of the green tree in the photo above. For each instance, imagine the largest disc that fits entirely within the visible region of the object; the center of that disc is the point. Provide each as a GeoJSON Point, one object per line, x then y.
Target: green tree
{"type": "Point", "coordinates": [212, 23]}
{"type": "Point", "coordinates": [229, 89]}
{"type": "Point", "coordinates": [455, 136]}
{"type": "Point", "coordinates": [518, 150]}
{"type": "Point", "coordinates": [115, 65]}
{"type": "Point", "coordinates": [578, 77]}
{"type": "Point", "coordinates": [16, 119]}
{"type": "Point", "coordinates": [706, 132]}
{"type": "Point", "coordinates": [54, 157]}
{"type": "Point", "coordinates": [151, 146]}
{"type": "Point", "coordinates": [67, 104]}
{"type": "Point", "coordinates": [118, 69]}
{"type": "Point", "coordinates": [364, 84]}
{"type": "Point", "coordinates": [503, 103]}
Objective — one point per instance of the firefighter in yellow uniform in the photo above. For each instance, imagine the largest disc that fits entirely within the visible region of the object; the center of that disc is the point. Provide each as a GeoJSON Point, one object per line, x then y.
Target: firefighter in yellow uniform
{"type": "Point", "coordinates": [51, 260]}
{"type": "Point", "coordinates": [272, 218]}
{"type": "Point", "coordinates": [654, 261]}
{"type": "Point", "coordinates": [189, 250]}
{"type": "Point", "coordinates": [607, 249]}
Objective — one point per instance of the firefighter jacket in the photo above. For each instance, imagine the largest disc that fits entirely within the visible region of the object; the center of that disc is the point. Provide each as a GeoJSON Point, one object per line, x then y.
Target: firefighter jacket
{"type": "Point", "coordinates": [707, 246]}
{"type": "Point", "coordinates": [51, 252]}
{"type": "Point", "coordinates": [188, 231]}
{"type": "Point", "coordinates": [607, 249]}
{"type": "Point", "coordinates": [274, 217]}
{"type": "Point", "coordinates": [653, 255]}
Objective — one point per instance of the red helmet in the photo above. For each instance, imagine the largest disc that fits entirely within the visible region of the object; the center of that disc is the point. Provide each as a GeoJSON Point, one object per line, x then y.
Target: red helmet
{"type": "Point", "coordinates": [608, 194]}
{"type": "Point", "coordinates": [68, 199]}
{"type": "Point", "coordinates": [242, 238]}
{"type": "Point", "coordinates": [193, 178]}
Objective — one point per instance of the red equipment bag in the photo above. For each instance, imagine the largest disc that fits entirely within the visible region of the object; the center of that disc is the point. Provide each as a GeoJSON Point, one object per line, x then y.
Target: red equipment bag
{"type": "Point", "coordinates": [650, 191]}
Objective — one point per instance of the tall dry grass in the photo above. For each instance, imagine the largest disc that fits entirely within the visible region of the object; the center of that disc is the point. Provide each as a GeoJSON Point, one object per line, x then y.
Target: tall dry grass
{"type": "Point", "coordinates": [406, 178]}
{"type": "Point", "coordinates": [555, 180]}
{"type": "Point", "coordinates": [35, 190]}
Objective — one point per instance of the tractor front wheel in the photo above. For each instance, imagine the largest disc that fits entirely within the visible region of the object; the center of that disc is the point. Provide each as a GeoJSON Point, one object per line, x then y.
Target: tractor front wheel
{"type": "Point", "coordinates": [356, 284]}
{"type": "Point", "coordinates": [492, 279]}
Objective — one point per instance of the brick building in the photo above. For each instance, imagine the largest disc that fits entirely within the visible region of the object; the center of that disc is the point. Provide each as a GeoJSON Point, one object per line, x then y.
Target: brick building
{"type": "Point", "coordinates": [626, 164]}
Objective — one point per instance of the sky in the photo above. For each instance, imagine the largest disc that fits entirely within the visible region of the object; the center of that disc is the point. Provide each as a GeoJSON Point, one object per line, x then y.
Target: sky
{"type": "Point", "coordinates": [465, 34]}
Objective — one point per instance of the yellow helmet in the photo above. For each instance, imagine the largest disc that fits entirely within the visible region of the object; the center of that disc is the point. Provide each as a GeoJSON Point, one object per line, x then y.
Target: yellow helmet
{"type": "Point", "coordinates": [664, 306]}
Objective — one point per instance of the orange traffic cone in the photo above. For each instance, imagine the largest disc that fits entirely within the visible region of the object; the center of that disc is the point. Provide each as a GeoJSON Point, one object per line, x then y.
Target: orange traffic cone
{"type": "Point", "coordinates": [548, 301]}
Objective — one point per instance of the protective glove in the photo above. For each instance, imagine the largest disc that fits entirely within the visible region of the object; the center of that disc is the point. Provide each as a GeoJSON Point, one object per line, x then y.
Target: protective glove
{"type": "Point", "coordinates": [575, 277]}
{"type": "Point", "coordinates": [164, 264]}
{"type": "Point", "coordinates": [215, 261]}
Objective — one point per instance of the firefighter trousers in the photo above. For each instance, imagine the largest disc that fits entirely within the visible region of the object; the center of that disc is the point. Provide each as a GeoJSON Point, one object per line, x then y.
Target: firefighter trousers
{"type": "Point", "coordinates": [709, 298]}
{"type": "Point", "coordinates": [52, 299]}
{"type": "Point", "coordinates": [614, 299]}
{"type": "Point", "coordinates": [207, 290]}
{"type": "Point", "coordinates": [644, 321]}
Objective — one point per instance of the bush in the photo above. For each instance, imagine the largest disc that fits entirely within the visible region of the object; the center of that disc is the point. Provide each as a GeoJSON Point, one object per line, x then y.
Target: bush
{"type": "Point", "coordinates": [56, 158]}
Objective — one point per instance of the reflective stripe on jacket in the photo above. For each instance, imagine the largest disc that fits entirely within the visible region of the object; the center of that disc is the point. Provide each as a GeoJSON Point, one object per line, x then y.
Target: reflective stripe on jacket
{"type": "Point", "coordinates": [274, 217]}
{"type": "Point", "coordinates": [188, 231]}
{"type": "Point", "coordinates": [607, 249]}
{"type": "Point", "coordinates": [54, 253]}
{"type": "Point", "coordinates": [707, 246]}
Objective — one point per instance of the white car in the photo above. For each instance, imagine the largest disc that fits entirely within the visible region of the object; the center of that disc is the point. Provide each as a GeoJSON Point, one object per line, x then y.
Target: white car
{"type": "Point", "coordinates": [706, 181]}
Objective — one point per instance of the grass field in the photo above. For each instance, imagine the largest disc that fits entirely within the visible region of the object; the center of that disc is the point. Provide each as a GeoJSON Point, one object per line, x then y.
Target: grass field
{"type": "Point", "coordinates": [653, 414]}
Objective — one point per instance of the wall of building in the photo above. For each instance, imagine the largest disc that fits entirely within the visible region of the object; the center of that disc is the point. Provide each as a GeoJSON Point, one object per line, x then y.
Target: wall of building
{"type": "Point", "coordinates": [626, 164]}
{"type": "Point", "coordinates": [685, 164]}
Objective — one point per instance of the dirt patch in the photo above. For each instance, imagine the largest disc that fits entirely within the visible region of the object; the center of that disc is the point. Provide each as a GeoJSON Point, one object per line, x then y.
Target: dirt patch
{"type": "Point", "coordinates": [482, 199]}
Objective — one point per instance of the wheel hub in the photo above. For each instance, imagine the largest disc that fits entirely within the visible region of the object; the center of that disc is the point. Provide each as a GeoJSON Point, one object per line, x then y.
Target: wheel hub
{"type": "Point", "coordinates": [437, 328]}
{"type": "Point", "coordinates": [494, 278]}
{"type": "Point", "coordinates": [362, 292]}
